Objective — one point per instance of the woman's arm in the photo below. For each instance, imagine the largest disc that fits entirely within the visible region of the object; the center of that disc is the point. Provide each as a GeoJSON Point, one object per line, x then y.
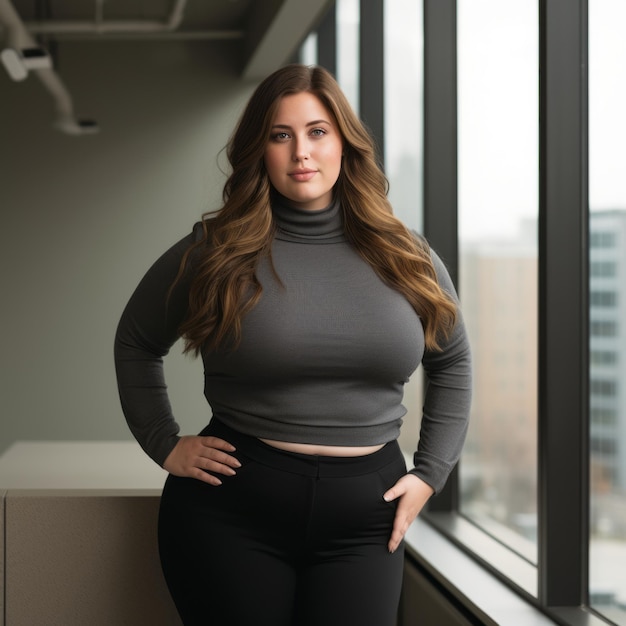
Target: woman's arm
{"type": "Point", "coordinates": [447, 399]}
{"type": "Point", "coordinates": [444, 421]}
{"type": "Point", "coordinates": [147, 330]}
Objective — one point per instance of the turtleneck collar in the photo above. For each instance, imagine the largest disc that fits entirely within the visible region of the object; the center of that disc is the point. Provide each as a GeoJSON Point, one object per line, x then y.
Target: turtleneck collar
{"type": "Point", "coordinates": [306, 225]}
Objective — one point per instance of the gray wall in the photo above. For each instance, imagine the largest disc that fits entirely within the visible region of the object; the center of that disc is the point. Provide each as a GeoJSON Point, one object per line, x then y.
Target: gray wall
{"type": "Point", "coordinates": [84, 217]}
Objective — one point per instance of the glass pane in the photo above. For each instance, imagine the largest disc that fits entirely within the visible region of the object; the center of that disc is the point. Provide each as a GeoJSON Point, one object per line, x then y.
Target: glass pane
{"type": "Point", "coordinates": [607, 295]}
{"type": "Point", "coordinates": [404, 69]}
{"type": "Point", "coordinates": [308, 50]}
{"type": "Point", "coordinates": [348, 20]}
{"type": "Point", "coordinates": [404, 62]}
{"type": "Point", "coordinates": [498, 209]}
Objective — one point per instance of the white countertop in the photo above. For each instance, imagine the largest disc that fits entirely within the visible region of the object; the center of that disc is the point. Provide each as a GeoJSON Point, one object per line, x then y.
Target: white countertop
{"type": "Point", "coordinates": [78, 465]}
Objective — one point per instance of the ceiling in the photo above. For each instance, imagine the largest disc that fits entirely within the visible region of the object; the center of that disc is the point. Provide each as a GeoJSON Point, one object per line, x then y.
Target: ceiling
{"type": "Point", "coordinates": [269, 30]}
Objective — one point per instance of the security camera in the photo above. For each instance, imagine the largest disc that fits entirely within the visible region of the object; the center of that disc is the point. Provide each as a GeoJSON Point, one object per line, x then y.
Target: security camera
{"type": "Point", "coordinates": [19, 62]}
{"type": "Point", "coordinates": [71, 126]}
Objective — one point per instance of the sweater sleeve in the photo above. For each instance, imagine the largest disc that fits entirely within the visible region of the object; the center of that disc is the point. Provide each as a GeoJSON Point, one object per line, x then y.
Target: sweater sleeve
{"type": "Point", "coordinates": [447, 399]}
{"type": "Point", "coordinates": [146, 331]}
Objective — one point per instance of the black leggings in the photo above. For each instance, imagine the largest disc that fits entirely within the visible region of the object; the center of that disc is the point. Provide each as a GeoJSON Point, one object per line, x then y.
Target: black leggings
{"type": "Point", "coordinates": [290, 540]}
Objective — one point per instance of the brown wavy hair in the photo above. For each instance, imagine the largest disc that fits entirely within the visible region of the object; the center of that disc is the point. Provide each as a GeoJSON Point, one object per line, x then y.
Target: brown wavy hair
{"type": "Point", "coordinates": [224, 286]}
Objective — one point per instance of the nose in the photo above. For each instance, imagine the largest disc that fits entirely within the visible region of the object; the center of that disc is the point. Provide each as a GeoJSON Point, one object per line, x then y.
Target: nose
{"type": "Point", "coordinates": [300, 150]}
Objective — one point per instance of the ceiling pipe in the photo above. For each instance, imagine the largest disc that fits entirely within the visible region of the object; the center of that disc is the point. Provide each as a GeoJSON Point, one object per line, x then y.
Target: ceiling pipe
{"type": "Point", "coordinates": [99, 11]}
{"type": "Point", "coordinates": [177, 35]}
{"type": "Point", "coordinates": [17, 36]}
{"type": "Point", "coordinates": [100, 26]}
{"type": "Point", "coordinates": [65, 119]}
{"type": "Point", "coordinates": [19, 48]}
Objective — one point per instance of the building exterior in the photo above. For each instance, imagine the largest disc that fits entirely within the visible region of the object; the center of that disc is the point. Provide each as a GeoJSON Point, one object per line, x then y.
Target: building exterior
{"type": "Point", "coordinates": [607, 384]}
{"type": "Point", "coordinates": [499, 298]}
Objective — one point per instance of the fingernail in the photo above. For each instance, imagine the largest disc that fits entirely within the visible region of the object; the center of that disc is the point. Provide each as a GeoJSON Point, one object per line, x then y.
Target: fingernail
{"type": "Point", "coordinates": [386, 498]}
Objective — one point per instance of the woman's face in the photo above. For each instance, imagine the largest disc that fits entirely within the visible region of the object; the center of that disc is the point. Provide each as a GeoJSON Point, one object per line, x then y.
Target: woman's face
{"type": "Point", "coordinates": [303, 154]}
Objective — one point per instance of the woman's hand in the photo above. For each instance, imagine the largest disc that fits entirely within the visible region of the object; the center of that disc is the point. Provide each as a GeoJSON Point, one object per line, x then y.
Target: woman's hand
{"type": "Point", "coordinates": [413, 493]}
{"type": "Point", "coordinates": [193, 455]}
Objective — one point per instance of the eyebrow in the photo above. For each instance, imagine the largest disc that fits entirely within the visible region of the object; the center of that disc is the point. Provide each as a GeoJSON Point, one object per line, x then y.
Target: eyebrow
{"type": "Point", "coordinates": [313, 123]}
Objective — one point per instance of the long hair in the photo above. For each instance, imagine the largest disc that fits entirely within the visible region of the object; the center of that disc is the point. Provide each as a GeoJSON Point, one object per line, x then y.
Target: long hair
{"type": "Point", "coordinates": [224, 286]}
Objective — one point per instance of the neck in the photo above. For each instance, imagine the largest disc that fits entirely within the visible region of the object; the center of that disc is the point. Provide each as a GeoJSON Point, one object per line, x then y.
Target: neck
{"type": "Point", "coordinates": [305, 224]}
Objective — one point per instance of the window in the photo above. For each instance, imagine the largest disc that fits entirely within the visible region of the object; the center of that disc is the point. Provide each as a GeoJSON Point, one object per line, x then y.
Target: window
{"type": "Point", "coordinates": [602, 240]}
{"type": "Point", "coordinates": [348, 18]}
{"type": "Point", "coordinates": [603, 328]}
{"type": "Point", "coordinates": [603, 298]}
{"type": "Point", "coordinates": [308, 50]}
{"type": "Point", "coordinates": [603, 447]}
{"type": "Point", "coordinates": [607, 226]}
{"type": "Point", "coordinates": [603, 416]}
{"type": "Point", "coordinates": [603, 357]}
{"type": "Point", "coordinates": [498, 208]}
{"type": "Point", "coordinates": [603, 387]}
{"type": "Point", "coordinates": [602, 269]}
{"type": "Point", "coordinates": [403, 108]}
{"type": "Point", "coordinates": [521, 275]}
{"type": "Point", "coordinates": [403, 71]}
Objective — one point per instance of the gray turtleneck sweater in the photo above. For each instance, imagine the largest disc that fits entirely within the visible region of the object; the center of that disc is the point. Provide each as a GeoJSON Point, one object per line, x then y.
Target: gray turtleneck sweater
{"type": "Point", "coordinates": [323, 357]}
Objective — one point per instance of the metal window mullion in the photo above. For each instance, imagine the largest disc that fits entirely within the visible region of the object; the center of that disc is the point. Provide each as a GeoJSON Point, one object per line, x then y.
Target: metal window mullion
{"type": "Point", "coordinates": [440, 158]}
{"type": "Point", "coordinates": [371, 70]}
{"type": "Point", "coordinates": [563, 305]}
{"type": "Point", "coordinates": [327, 40]}
{"type": "Point", "coordinates": [440, 130]}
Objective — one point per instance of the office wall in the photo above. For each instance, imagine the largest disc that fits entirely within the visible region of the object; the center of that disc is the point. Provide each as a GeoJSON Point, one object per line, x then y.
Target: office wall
{"type": "Point", "coordinates": [82, 218]}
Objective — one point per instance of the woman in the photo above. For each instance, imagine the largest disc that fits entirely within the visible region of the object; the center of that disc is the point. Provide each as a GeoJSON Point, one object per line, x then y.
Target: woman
{"type": "Point", "coordinates": [311, 305]}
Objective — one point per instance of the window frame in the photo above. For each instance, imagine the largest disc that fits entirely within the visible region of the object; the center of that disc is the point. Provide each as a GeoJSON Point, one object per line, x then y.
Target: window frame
{"type": "Point", "coordinates": [372, 71]}
{"type": "Point", "coordinates": [563, 315]}
{"type": "Point", "coordinates": [564, 305]}
{"type": "Point", "coordinates": [558, 586]}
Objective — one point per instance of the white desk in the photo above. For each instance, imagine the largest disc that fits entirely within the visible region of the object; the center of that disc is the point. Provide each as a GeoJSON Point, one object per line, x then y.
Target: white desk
{"type": "Point", "coordinates": [78, 465]}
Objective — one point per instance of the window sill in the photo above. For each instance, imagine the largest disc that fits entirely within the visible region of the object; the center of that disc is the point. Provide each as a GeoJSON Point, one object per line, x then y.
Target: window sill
{"type": "Point", "coordinates": [472, 567]}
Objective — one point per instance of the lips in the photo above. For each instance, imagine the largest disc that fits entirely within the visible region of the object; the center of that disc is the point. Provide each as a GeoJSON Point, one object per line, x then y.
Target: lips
{"type": "Point", "coordinates": [302, 175]}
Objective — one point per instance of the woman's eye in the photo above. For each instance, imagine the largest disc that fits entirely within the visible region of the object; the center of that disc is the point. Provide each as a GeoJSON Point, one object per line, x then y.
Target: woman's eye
{"type": "Point", "coordinates": [318, 132]}
{"type": "Point", "coordinates": [280, 136]}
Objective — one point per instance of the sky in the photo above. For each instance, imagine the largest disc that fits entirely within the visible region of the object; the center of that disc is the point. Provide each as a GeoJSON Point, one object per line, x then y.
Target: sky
{"type": "Point", "coordinates": [498, 127]}
{"type": "Point", "coordinates": [497, 61]}
{"type": "Point", "coordinates": [607, 103]}
{"type": "Point", "coordinates": [498, 105]}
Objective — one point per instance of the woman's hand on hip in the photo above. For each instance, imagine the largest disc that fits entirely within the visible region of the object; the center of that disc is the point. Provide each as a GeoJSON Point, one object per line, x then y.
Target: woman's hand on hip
{"type": "Point", "coordinates": [194, 456]}
{"type": "Point", "coordinates": [412, 494]}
